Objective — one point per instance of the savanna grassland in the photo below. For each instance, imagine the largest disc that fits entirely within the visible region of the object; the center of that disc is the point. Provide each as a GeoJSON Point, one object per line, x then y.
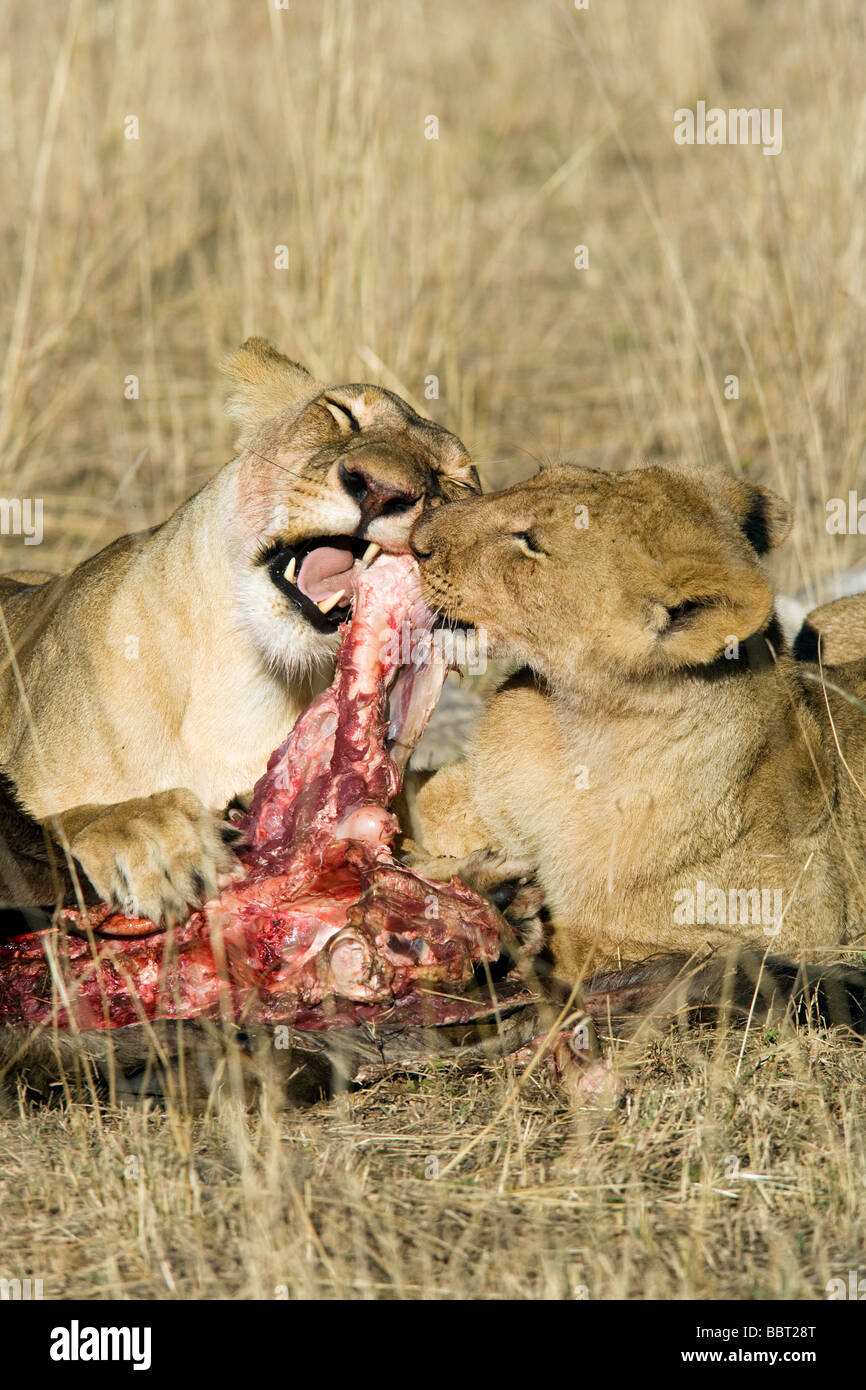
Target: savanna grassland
{"type": "Point", "coordinates": [735, 1165]}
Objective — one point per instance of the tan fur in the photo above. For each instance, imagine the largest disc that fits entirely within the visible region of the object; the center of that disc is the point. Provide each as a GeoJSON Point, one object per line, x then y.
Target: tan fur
{"type": "Point", "coordinates": [146, 688]}
{"type": "Point", "coordinates": [835, 632]}
{"type": "Point", "coordinates": [632, 759]}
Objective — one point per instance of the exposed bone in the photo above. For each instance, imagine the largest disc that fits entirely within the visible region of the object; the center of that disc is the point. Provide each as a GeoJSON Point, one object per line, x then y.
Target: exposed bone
{"type": "Point", "coordinates": [356, 971]}
{"type": "Point", "coordinates": [328, 603]}
{"type": "Point", "coordinates": [370, 553]}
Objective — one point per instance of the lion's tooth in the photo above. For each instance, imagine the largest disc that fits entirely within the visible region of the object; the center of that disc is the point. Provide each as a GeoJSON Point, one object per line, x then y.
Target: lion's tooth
{"type": "Point", "coordinates": [290, 570]}
{"type": "Point", "coordinates": [370, 553]}
{"type": "Point", "coordinates": [328, 603]}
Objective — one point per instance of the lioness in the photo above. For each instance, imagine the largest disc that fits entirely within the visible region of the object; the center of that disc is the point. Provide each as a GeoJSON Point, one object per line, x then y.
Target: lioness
{"type": "Point", "coordinates": [674, 775]}
{"type": "Point", "coordinates": [146, 688]}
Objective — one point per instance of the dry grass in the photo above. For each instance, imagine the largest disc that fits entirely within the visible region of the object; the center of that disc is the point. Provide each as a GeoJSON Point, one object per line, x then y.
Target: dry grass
{"type": "Point", "coordinates": [411, 257]}
{"type": "Point", "coordinates": [701, 1185]}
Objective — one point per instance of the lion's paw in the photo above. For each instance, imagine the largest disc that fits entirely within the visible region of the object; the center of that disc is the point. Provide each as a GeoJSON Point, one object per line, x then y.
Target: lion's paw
{"type": "Point", "coordinates": [156, 856]}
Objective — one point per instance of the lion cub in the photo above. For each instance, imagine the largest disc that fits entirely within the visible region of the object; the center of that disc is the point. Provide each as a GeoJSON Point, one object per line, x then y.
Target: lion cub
{"type": "Point", "coordinates": [145, 689]}
{"type": "Point", "coordinates": [676, 777]}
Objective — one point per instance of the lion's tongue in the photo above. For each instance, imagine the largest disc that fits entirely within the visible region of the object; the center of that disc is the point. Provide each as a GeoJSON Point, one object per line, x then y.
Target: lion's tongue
{"type": "Point", "coordinates": [325, 570]}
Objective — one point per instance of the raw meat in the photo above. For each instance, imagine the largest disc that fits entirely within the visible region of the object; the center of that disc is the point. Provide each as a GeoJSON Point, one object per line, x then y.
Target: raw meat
{"type": "Point", "coordinates": [326, 927]}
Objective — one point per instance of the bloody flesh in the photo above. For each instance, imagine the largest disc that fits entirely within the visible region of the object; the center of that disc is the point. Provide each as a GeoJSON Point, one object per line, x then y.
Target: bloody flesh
{"type": "Point", "coordinates": [326, 927]}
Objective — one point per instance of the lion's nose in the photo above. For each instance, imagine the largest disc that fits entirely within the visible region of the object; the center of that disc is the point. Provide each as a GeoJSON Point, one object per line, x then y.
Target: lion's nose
{"type": "Point", "coordinates": [419, 543]}
{"type": "Point", "coordinates": [374, 495]}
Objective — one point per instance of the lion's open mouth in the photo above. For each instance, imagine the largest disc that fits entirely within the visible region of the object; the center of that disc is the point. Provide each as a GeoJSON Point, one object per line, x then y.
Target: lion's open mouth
{"type": "Point", "coordinates": [319, 575]}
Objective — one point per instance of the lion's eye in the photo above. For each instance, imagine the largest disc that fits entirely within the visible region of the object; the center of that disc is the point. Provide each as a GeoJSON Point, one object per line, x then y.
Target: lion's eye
{"type": "Point", "coordinates": [468, 484]}
{"type": "Point", "coordinates": [528, 544]}
{"type": "Point", "coordinates": [342, 414]}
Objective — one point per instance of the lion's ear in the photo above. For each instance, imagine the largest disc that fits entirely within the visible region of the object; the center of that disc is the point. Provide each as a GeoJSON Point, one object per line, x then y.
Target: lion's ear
{"type": "Point", "coordinates": [267, 383]}
{"type": "Point", "coordinates": [764, 518]}
{"type": "Point", "coordinates": [709, 602]}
